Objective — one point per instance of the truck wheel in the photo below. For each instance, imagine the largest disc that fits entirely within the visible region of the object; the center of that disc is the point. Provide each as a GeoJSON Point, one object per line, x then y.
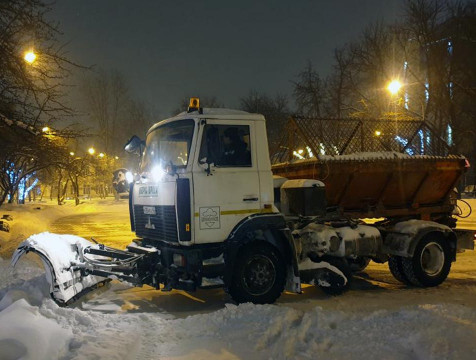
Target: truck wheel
{"type": "Point", "coordinates": [396, 268]}
{"type": "Point", "coordinates": [358, 264]}
{"type": "Point", "coordinates": [258, 276]}
{"type": "Point", "coordinates": [430, 264]}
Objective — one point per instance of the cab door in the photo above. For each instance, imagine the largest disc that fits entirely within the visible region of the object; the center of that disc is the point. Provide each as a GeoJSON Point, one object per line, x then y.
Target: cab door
{"type": "Point", "coordinates": [225, 178]}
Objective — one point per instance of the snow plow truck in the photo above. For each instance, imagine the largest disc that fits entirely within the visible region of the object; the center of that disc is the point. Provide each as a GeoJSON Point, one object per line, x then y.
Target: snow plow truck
{"type": "Point", "coordinates": [208, 211]}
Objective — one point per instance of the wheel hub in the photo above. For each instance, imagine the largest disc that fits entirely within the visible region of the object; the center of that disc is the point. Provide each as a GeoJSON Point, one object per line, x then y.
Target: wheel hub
{"type": "Point", "coordinates": [259, 274]}
{"type": "Point", "coordinates": [432, 258]}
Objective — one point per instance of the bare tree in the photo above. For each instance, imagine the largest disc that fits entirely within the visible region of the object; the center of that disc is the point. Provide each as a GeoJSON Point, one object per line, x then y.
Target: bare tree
{"type": "Point", "coordinates": [275, 110]}
{"type": "Point", "coordinates": [309, 92]}
{"type": "Point", "coordinates": [107, 97]}
{"type": "Point", "coordinates": [31, 92]}
{"type": "Point", "coordinates": [338, 84]}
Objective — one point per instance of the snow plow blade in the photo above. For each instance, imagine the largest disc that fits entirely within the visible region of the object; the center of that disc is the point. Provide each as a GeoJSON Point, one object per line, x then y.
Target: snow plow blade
{"type": "Point", "coordinates": [63, 259]}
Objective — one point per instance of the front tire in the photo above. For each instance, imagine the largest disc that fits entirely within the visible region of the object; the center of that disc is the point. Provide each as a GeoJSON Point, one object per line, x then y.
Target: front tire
{"type": "Point", "coordinates": [258, 276]}
{"type": "Point", "coordinates": [431, 262]}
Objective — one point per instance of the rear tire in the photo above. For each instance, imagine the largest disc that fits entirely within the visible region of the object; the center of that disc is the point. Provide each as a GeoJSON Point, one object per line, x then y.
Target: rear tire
{"type": "Point", "coordinates": [259, 275]}
{"type": "Point", "coordinates": [431, 262]}
{"type": "Point", "coordinates": [396, 268]}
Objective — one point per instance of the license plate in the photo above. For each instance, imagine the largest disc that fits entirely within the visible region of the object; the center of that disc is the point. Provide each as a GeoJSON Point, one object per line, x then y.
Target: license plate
{"type": "Point", "coordinates": [148, 191]}
{"type": "Point", "coordinates": [149, 210]}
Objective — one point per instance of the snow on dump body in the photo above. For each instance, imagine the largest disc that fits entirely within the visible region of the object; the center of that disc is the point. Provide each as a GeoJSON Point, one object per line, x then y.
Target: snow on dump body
{"type": "Point", "coordinates": [59, 254]}
{"type": "Point", "coordinates": [372, 156]}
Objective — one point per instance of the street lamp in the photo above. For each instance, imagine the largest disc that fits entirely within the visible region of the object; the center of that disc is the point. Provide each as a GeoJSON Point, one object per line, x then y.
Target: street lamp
{"type": "Point", "coordinates": [72, 153]}
{"type": "Point", "coordinates": [91, 150]}
{"type": "Point", "coordinates": [30, 57]}
{"type": "Point", "coordinates": [45, 129]}
{"type": "Point", "coordinates": [378, 133]}
{"type": "Point", "coordinates": [101, 155]}
{"type": "Point", "coordinates": [394, 87]}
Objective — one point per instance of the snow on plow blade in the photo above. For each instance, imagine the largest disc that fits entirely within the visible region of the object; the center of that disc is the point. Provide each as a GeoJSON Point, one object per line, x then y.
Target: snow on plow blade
{"type": "Point", "coordinates": [62, 256]}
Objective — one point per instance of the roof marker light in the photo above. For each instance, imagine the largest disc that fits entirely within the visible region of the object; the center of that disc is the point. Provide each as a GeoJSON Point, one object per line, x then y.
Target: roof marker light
{"type": "Point", "coordinates": [194, 104]}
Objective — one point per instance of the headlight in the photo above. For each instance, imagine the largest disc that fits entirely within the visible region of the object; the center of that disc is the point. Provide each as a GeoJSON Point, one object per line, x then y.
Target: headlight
{"type": "Point", "coordinates": [157, 173]}
{"type": "Point", "coordinates": [129, 177]}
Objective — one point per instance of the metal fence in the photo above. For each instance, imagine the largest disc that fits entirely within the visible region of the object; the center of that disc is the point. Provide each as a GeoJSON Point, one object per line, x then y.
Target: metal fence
{"type": "Point", "coordinates": [307, 137]}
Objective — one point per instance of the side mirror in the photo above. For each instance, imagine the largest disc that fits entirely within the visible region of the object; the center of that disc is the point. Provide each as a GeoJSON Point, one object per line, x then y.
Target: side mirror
{"type": "Point", "coordinates": [206, 165]}
{"type": "Point", "coordinates": [134, 145]}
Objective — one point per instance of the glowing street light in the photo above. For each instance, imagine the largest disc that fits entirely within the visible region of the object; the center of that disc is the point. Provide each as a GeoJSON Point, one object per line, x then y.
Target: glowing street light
{"type": "Point", "coordinates": [101, 155]}
{"type": "Point", "coordinates": [30, 57]}
{"type": "Point", "coordinates": [71, 153]}
{"type": "Point", "coordinates": [394, 87]}
{"type": "Point", "coordinates": [45, 129]}
{"type": "Point", "coordinates": [378, 133]}
{"type": "Point", "coordinates": [91, 150]}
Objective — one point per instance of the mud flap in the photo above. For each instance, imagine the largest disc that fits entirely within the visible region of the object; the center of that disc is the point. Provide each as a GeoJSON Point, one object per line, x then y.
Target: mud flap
{"type": "Point", "coordinates": [332, 275]}
{"type": "Point", "coordinates": [62, 256]}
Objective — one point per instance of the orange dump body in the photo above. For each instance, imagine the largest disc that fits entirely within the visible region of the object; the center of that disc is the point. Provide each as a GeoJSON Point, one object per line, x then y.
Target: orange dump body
{"type": "Point", "coordinates": [392, 185]}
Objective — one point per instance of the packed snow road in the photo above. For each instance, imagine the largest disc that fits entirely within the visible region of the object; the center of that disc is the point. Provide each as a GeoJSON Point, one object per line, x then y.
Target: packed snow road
{"type": "Point", "coordinates": [377, 318]}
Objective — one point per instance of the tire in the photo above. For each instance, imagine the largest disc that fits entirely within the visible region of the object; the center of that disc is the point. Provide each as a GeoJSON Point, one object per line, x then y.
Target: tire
{"type": "Point", "coordinates": [358, 264]}
{"type": "Point", "coordinates": [396, 268]}
{"type": "Point", "coordinates": [259, 275]}
{"type": "Point", "coordinates": [431, 262]}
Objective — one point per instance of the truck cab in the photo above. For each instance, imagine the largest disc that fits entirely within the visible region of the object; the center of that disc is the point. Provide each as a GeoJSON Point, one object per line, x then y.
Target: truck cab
{"type": "Point", "coordinates": [201, 173]}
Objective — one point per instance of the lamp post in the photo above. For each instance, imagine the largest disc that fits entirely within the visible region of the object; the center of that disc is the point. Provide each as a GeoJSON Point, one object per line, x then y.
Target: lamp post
{"type": "Point", "coordinates": [30, 56]}
{"type": "Point", "coordinates": [394, 87]}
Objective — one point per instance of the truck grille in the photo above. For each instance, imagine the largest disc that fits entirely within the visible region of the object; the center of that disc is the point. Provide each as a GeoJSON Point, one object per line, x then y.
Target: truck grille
{"type": "Point", "coordinates": [161, 226]}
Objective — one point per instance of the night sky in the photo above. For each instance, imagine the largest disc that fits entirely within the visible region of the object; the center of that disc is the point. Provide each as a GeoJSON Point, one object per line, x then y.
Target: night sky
{"type": "Point", "coordinates": [169, 50]}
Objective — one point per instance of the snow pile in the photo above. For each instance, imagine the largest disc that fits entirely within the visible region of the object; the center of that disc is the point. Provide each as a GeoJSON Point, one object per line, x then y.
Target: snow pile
{"type": "Point", "coordinates": [26, 334]}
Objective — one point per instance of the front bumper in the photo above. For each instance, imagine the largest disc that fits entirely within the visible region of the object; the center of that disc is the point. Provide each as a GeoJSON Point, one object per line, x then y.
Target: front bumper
{"type": "Point", "coordinates": [183, 267]}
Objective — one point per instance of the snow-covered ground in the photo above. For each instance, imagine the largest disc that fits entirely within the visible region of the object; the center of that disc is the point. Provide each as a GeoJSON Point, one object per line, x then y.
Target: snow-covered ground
{"type": "Point", "coordinates": [377, 318]}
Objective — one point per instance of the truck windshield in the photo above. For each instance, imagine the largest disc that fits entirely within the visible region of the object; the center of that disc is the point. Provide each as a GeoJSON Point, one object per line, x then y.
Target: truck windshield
{"type": "Point", "coordinates": [168, 144]}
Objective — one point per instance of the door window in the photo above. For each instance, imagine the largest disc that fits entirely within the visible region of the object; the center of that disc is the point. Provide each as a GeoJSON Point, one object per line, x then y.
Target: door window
{"type": "Point", "coordinates": [226, 145]}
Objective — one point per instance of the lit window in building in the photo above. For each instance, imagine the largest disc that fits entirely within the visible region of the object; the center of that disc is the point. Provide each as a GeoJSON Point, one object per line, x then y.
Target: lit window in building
{"type": "Point", "coordinates": [450, 47]}
{"type": "Point", "coordinates": [404, 142]}
{"type": "Point", "coordinates": [451, 88]}
{"type": "Point", "coordinates": [322, 149]}
{"type": "Point", "coordinates": [449, 133]}
{"type": "Point", "coordinates": [422, 141]}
